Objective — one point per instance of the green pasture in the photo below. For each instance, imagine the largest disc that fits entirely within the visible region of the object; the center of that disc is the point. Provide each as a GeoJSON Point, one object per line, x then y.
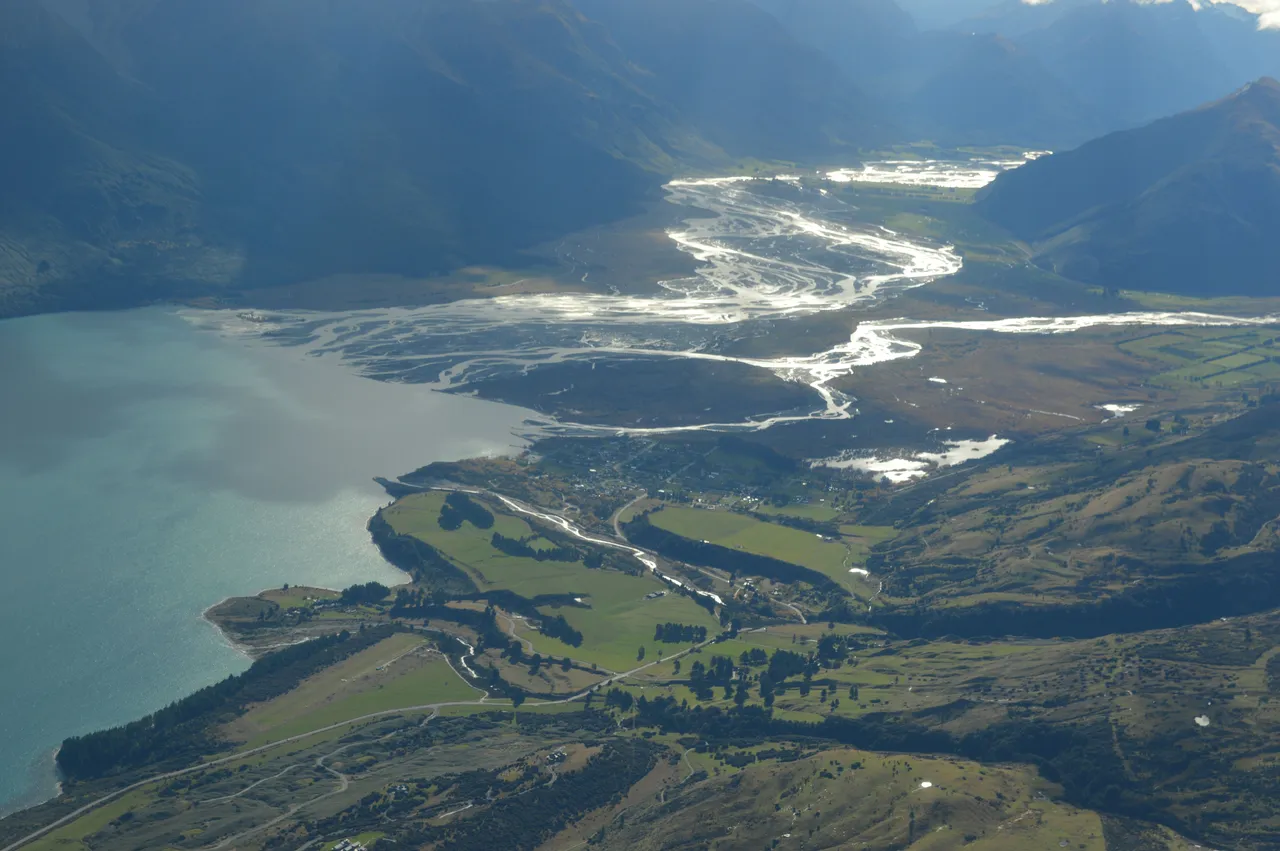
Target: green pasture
{"type": "Point", "coordinates": [740, 532]}
{"type": "Point", "coordinates": [616, 618]}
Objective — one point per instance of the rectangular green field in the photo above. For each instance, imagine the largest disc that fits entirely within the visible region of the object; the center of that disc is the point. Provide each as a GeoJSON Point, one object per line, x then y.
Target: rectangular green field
{"type": "Point", "coordinates": [740, 532]}
{"type": "Point", "coordinates": [384, 677]}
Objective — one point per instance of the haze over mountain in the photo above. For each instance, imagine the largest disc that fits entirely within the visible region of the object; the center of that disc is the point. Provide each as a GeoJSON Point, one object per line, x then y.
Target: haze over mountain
{"type": "Point", "coordinates": [165, 149]}
{"type": "Point", "coordinates": [1051, 74]}
{"type": "Point", "coordinates": [160, 148]}
{"type": "Point", "coordinates": [1188, 204]}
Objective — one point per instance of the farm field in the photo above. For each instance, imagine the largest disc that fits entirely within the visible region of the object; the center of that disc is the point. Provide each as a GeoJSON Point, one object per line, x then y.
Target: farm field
{"type": "Point", "coordinates": [741, 532]}
{"type": "Point", "coordinates": [616, 616]}
{"type": "Point", "coordinates": [397, 672]}
{"type": "Point", "coordinates": [1211, 357]}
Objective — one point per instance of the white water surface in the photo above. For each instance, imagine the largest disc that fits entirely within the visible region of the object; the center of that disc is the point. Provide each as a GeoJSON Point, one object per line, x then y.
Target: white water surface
{"type": "Point", "coordinates": [943, 174]}
{"type": "Point", "coordinates": [918, 464]}
{"type": "Point", "coordinates": [769, 251]}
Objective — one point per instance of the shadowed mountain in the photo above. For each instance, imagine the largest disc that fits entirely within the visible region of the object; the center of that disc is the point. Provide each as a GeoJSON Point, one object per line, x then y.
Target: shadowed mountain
{"type": "Point", "coordinates": [175, 148]}
{"type": "Point", "coordinates": [986, 89]}
{"type": "Point", "coordinates": [1052, 74]}
{"type": "Point", "coordinates": [1189, 204]}
{"type": "Point", "coordinates": [1134, 62]}
{"type": "Point", "coordinates": [863, 37]}
{"type": "Point", "coordinates": [742, 79]}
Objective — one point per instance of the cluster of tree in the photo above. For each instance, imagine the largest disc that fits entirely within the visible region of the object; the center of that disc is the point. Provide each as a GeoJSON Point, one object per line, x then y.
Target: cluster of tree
{"type": "Point", "coordinates": [643, 533]}
{"type": "Point", "coordinates": [1081, 759]}
{"type": "Point", "coordinates": [679, 633]}
{"type": "Point", "coordinates": [184, 729]}
{"type": "Point", "coordinates": [369, 592]}
{"type": "Point", "coordinates": [619, 699]}
{"type": "Point", "coordinates": [459, 507]}
{"type": "Point", "coordinates": [558, 627]}
{"type": "Point", "coordinates": [520, 549]}
{"type": "Point", "coordinates": [418, 558]}
{"type": "Point", "coordinates": [740, 759]}
{"type": "Point", "coordinates": [536, 663]}
{"type": "Point", "coordinates": [806, 524]}
{"type": "Point", "coordinates": [1197, 596]}
{"type": "Point", "coordinates": [414, 604]}
{"type": "Point", "coordinates": [523, 822]}
{"type": "Point", "coordinates": [833, 649]}
{"type": "Point", "coordinates": [410, 601]}
{"type": "Point", "coordinates": [704, 678]}
{"type": "Point", "coordinates": [787, 663]}
{"type": "Point", "coordinates": [527, 606]}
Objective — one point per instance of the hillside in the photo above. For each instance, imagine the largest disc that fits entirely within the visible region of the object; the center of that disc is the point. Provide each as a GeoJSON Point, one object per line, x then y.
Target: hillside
{"type": "Point", "coordinates": [1189, 204]}
{"type": "Point", "coordinates": [743, 80]}
{"type": "Point", "coordinates": [1052, 75]}
{"type": "Point", "coordinates": [163, 149]}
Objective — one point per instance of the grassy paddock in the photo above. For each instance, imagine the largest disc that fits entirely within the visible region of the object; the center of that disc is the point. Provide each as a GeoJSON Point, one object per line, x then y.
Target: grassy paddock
{"type": "Point", "coordinates": [392, 674]}
{"type": "Point", "coordinates": [615, 617]}
{"type": "Point", "coordinates": [740, 532]}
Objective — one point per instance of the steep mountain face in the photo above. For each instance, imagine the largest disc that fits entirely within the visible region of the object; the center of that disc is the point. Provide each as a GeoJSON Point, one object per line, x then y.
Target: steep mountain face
{"type": "Point", "coordinates": [988, 90]}
{"type": "Point", "coordinates": [1050, 74]}
{"type": "Point", "coordinates": [863, 37]}
{"type": "Point", "coordinates": [183, 147]}
{"type": "Point", "coordinates": [76, 174]}
{"type": "Point", "coordinates": [737, 75]}
{"type": "Point", "coordinates": [1189, 204]}
{"type": "Point", "coordinates": [1133, 62]}
{"type": "Point", "coordinates": [171, 148]}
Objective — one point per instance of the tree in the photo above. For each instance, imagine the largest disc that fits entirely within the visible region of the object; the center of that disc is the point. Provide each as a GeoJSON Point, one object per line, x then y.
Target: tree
{"type": "Point", "coordinates": [1153, 425]}
{"type": "Point", "coordinates": [677, 666]}
{"type": "Point", "coordinates": [853, 692]}
{"type": "Point", "coordinates": [766, 688]}
{"type": "Point", "coordinates": [640, 655]}
{"type": "Point", "coordinates": [565, 664]}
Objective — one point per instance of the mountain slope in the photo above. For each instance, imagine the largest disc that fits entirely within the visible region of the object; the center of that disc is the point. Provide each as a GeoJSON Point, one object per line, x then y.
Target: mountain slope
{"type": "Point", "coordinates": [1134, 62]}
{"type": "Point", "coordinates": [863, 37]}
{"type": "Point", "coordinates": [986, 89]}
{"type": "Point", "coordinates": [173, 148]}
{"type": "Point", "coordinates": [170, 148]}
{"type": "Point", "coordinates": [76, 176]}
{"type": "Point", "coordinates": [1189, 204]}
{"type": "Point", "coordinates": [1049, 74]}
{"type": "Point", "coordinates": [737, 75]}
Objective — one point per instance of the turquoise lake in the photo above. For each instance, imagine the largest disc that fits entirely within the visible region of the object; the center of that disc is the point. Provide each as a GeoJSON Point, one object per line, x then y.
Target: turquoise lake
{"type": "Point", "coordinates": [149, 469]}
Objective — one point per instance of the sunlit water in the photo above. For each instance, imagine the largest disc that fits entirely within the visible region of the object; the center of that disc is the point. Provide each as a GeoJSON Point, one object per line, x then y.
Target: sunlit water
{"type": "Point", "coordinates": [149, 469]}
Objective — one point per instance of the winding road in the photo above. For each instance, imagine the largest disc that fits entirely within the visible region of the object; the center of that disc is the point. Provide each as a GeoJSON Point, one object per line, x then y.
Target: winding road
{"type": "Point", "coordinates": [433, 708]}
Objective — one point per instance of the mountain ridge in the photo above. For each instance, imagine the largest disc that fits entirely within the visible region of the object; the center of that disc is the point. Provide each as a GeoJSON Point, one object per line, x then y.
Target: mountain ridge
{"type": "Point", "coordinates": [1188, 204]}
{"type": "Point", "coordinates": [164, 149]}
